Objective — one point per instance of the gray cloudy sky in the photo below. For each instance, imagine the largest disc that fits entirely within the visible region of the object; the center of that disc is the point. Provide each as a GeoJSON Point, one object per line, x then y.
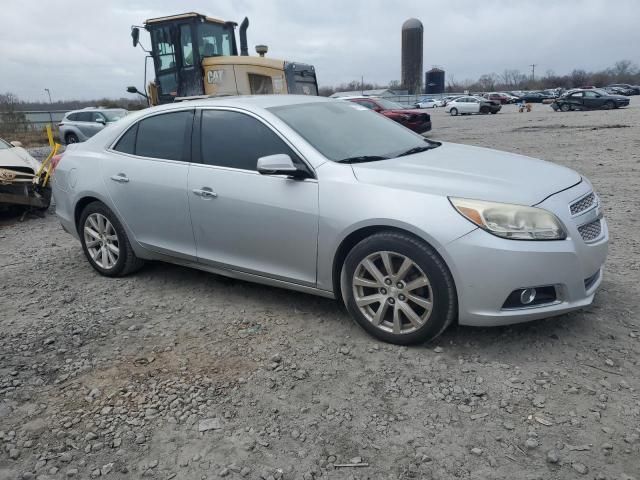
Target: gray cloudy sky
{"type": "Point", "coordinates": [82, 49]}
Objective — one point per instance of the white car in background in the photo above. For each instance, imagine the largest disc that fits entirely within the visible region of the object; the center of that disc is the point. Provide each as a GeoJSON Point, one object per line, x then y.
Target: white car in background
{"type": "Point", "coordinates": [430, 103]}
{"type": "Point", "coordinates": [468, 104]}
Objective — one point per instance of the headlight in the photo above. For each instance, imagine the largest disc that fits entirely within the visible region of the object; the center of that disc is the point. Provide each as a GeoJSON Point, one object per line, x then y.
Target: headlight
{"type": "Point", "coordinates": [515, 222]}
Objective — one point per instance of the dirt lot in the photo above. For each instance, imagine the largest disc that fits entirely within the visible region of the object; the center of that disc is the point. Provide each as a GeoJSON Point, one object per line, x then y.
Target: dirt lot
{"type": "Point", "coordinates": [175, 373]}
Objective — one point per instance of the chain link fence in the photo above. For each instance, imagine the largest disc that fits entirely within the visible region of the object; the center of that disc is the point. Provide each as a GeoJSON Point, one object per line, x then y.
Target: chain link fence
{"type": "Point", "coordinates": [29, 127]}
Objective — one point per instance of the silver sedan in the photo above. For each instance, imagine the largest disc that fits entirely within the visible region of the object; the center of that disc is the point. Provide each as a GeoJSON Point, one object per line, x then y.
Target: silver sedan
{"type": "Point", "coordinates": [327, 197]}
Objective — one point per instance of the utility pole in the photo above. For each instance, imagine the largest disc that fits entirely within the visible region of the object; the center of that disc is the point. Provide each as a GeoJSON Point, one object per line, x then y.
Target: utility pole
{"type": "Point", "coordinates": [533, 71]}
{"type": "Point", "coordinates": [50, 103]}
{"type": "Point", "coordinates": [362, 85]}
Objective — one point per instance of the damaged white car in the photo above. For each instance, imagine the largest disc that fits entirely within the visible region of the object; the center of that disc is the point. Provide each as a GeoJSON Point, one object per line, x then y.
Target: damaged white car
{"type": "Point", "coordinates": [19, 184]}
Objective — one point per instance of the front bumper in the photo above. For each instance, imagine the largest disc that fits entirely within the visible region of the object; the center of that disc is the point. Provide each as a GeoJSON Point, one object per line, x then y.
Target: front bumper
{"type": "Point", "coordinates": [26, 194]}
{"type": "Point", "coordinates": [418, 127]}
{"type": "Point", "coordinates": [487, 268]}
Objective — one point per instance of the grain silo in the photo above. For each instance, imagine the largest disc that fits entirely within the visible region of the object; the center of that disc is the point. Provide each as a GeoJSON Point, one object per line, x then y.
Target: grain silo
{"type": "Point", "coordinates": [434, 81]}
{"type": "Point", "coordinates": [412, 33]}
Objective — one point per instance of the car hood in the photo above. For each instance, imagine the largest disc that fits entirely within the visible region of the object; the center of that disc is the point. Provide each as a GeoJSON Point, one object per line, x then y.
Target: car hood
{"type": "Point", "coordinates": [470, 172]}
{"type": "Point", "coordinates": [17, 157]}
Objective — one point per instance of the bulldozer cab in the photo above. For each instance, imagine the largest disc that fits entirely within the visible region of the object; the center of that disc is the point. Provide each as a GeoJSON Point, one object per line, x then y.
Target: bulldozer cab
{"type": "Point", "coordinates": [196, 55]}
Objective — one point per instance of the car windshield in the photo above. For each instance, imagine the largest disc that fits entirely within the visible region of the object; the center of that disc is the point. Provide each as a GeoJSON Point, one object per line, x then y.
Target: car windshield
{"type": "Point", "coordinates": [113, 115]}
{"type": "Point", "coordinates": [345, 130]}
{"type": "Point", "coordinates": [600, 91]}
{"type": "Point", "coordinates": [388, 104]}
{"type": "Point", "coordinates": [4, 145]}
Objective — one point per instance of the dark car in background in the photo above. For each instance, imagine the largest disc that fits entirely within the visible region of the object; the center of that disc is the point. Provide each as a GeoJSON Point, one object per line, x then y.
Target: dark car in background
{"type": "Point", "coordinates": [634, 89]}
{"type": "Point", "coordinates": [593, 99]}
{"type": "Point", "coordinates": [534, 97]}
{"type": "Point", "coordinates": [502, 98]}
{"type": "Point", "coordinates": [412, 118]}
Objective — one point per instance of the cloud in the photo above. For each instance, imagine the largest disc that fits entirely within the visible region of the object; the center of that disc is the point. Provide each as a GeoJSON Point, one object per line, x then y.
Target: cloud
{"type": "Point", "coordinates": [82, 49]}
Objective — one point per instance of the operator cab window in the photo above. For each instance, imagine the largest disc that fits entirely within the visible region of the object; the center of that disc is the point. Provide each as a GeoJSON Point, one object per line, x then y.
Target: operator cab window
{"type": "Point", "coordinates": [235, 140]}
{"type": "Point", "coordinates": [187, 45]}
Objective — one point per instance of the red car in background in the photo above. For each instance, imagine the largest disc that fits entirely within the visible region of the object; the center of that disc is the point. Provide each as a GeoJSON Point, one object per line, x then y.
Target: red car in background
{"type": "Point", "coordinates": [412, 118]}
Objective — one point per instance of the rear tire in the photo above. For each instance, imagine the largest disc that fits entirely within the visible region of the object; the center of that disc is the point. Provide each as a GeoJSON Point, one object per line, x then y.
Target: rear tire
{"type": "Point", "coordinates": [105, 242]}
{"type": "Point", "coordinates": [408, 283]}
{"type": "Point", "coordinates": [453, 111]}
{"type": "Point", "coordinates": [70, 138]}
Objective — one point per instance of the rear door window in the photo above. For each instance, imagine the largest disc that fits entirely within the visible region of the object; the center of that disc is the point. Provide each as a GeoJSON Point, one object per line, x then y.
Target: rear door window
{"type": "Point", "coordinates": [85, 117]}
{"type": "Point", "coordinates": [165, 136]}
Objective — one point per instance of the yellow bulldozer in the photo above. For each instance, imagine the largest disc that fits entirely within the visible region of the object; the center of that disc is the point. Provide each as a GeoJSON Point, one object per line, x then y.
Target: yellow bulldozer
{"type": "Point", "coordinates": [195, 55]}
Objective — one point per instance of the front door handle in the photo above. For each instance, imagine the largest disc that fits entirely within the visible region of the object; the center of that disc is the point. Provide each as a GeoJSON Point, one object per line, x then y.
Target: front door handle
{"type": "Point", "coordinates": [120, 178]}
{"type": "Point", "coordinates": [205, 192]}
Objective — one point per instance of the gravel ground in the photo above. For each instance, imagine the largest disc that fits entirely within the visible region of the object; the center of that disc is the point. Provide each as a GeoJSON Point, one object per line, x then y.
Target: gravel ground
{"type": "Point", "coordinates": [176, 373]}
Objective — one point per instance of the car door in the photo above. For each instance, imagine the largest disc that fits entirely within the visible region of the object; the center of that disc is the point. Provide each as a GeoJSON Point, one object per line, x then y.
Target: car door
{"type": "Point", "coordinates": [576, 99]}
{"type": "Point", "coordinates": [146, 178]}
{"type": "Point", "coordinates": [259, 224]}
{"type": "Point", "coordinates": [85, 124]}
{"type": "Point", "coordinates": [592, 100]}
{"type": "Point", "coordinates": [473, 105]}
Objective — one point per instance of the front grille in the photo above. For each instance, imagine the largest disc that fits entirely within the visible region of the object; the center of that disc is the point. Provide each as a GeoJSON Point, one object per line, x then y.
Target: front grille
{"type": "Point", "coordinates": [583, 204]}
{"type": "Point", "coordinates": [590, 231]}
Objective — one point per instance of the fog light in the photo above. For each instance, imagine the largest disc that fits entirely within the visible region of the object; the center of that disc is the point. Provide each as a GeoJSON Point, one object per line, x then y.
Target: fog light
{"type": "Point", "coordinates": [527, 296]}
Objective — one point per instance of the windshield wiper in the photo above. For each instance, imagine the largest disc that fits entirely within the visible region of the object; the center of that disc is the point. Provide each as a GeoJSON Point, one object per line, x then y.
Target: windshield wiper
{"type": "Point", "coordinates": [419, 149]}
{"type": "Point", "coordinates": [362, 159]}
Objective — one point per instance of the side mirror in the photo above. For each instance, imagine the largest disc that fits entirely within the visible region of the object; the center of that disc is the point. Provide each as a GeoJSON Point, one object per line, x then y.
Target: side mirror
{"type": "Point", "coordinates": [279, 164]}
{"type": "Point", "coordinates": [16, 143]}
{"type": "Point", "coordinates": [135, 35]}
{"type": "Point", "coordinates": [100, 120]}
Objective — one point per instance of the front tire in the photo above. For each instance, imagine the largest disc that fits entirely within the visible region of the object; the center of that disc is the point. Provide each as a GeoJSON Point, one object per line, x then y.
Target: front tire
{"type": "Point", "coordinates": [70, 138]}
{"type": "Point", "coordinates": [105, 242]}
{"type": "Point", "coordinates": [453, 111]}
{"type": "Point", "coordinates": [609, 106]}
{"type": "Point", "coordinates": [565, 107]}
{"type": "Point", "coordinates": [398, 289]}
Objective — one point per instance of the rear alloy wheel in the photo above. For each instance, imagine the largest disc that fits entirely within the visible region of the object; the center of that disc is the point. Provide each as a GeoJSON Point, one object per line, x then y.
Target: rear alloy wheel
{"type": "Point", "coordinates": [398, 289]}
{"type": "Point", "coordinates": [105, 242]}
{"type": "Point", "coordinates": [453, 111]}
{"type": "Point", "coordinates": [70, 138]}
{"type": "Point", "coordinates": [565, 107]}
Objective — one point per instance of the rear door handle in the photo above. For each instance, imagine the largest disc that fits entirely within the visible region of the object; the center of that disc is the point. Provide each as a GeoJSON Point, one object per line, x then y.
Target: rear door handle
{"type": "Point", "coordinates": [120, 178]}
{"type": "Point", "coordinates": [204, 192]}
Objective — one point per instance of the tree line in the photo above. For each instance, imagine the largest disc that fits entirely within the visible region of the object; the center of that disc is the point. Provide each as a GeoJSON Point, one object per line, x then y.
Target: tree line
{"type": "Point", "coordinates": [623, 71]}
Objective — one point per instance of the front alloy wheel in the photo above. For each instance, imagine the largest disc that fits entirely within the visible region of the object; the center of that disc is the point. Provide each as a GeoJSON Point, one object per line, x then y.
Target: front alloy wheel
{"type": "Point", "coordinates": [398, 288]}
{"type": "Point", "coordinates": [392, 292]}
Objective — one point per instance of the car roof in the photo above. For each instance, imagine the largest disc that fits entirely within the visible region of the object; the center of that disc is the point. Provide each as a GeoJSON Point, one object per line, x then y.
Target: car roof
{"type": "Point", "coordinates": [247, 101]}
